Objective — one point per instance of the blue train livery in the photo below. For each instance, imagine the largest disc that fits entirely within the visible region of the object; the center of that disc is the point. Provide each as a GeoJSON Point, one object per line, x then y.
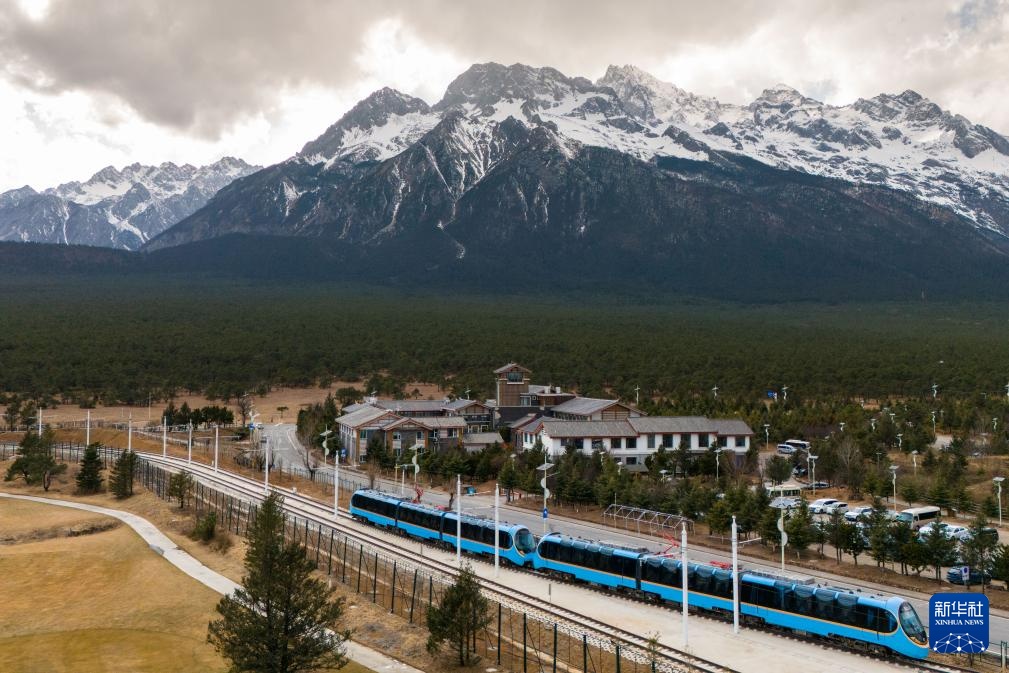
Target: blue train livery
{"type": "Point", "coordinates": [873, 622]}
{"type": "Point", "coordinates": [516, 544]}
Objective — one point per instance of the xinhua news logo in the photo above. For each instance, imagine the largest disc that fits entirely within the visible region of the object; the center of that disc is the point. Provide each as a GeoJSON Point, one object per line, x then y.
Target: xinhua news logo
{"type": "Point", "coordinates": [958, 623]}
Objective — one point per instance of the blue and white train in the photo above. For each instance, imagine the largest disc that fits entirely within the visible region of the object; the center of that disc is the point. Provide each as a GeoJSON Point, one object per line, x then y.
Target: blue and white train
{"type": "Point", "coordinates": [516, 544]}
{"type": "Point", "coordinates": [874, 622]}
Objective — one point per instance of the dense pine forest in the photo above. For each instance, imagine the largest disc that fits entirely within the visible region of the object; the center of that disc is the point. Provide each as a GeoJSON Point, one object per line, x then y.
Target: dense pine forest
{"type": "Point", "coordinates": [107, 339]}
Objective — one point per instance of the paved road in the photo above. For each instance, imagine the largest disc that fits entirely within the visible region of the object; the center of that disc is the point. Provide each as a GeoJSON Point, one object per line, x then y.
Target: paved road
{"type": "Point", "coordinates": [483, 504]}
{"type": "Point", "coordinates": [163, 545]}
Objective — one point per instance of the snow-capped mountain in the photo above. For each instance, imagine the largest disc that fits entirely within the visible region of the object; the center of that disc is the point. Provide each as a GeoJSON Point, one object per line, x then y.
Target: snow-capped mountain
{"type": "Point", "coordinates": [631, 175]}
{"type": "Point", "coordinates": [115, 208]}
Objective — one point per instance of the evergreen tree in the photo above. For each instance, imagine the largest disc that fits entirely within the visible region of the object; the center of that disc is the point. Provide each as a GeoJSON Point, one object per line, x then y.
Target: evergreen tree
{"type": "Point", "coordinates": [939, 550]}
{"type": "Point", "coordinates": [455, 621]}
{"type": "Point", "coordinates": [89, 478]}
{"type": "Point", "coordinates": [35, 462]}
{"type": "Point", "coordinates": [180, 487]}
{"type": "Point", "coordinates": [798, 527]}
{"type": "Point", "coordinates": [282, 619]}
{"type": "Point", "coordinates": [121, 477]}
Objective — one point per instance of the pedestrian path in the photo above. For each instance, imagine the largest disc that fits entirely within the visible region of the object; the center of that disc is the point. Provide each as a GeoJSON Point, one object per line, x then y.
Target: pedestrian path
{"type": "Point", "coordinates": [163, 545]}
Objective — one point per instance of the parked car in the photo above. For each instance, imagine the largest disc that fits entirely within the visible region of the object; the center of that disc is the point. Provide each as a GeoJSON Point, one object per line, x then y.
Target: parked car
{"type": "Point", "coordinates": [951, 531]}
{"type": "Point", "coordinates": [860, 512]}
{"type": "Point", "coordinates": [798, 471]}
{"type": "Point", "coordinates": [785, 503]}
{"type": "Point", "coordinates": [819, 506]}
{"type": "Point", "coordinates": [786, 449]}
{"type": "Point", "coordinates": [968, 533]}
{"type": "Point", "coordinates": [955, 576]}
{"type": "Point", "coordinates": [836, 508]}
{"type": "Point", "coordinates": [819, 484]}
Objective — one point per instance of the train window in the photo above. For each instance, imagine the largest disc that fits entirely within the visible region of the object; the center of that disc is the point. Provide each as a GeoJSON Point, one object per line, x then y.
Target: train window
{"type": "Point", "coordinates": [504, 539]}
{"type": "Point", "coordinates": [802, 599]}
{"type": "Point", "coordinates": [356, 501]}
{"type": "Point", "coordinates": [630, 566]}
{"type": "Point", "coordinates": [844, 612]}
{"type": "Point", "coordinates": [825, 604]}
{"type": "Point", "coordinates": [548, 549]}
{"type": "Point", "coordinates": [723, 583]}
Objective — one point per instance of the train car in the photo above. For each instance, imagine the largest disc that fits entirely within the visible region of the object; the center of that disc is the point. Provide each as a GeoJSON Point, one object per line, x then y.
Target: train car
{"type": "Point", "coordinates": [516, 544]}
{"type": "Point", "coordinates": [587, 561]}
{"type": "Point", "coordinates": [375, 507]}
{"type": "Point", "coordinates": [874, 622]}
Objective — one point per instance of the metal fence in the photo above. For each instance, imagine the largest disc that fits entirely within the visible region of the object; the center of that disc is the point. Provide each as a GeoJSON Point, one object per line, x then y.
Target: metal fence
{"type": "Point", "coordinates": [645, 520]}
{"type": "Point", "coordinates": [517, 639]}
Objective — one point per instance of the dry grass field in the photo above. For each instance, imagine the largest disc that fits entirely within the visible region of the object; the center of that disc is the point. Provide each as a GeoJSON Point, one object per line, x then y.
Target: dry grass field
{"type": "Point", "coordinates": [99, 602]}
{"type": "Point", "coordinates": [268, 405]}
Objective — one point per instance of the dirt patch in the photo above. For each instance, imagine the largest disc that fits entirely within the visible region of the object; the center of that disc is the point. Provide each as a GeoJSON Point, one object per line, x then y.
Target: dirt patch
{"type": "Point", "coordinates": [269, 405]}
{"type": "Point", "coordinates": [77, 530]}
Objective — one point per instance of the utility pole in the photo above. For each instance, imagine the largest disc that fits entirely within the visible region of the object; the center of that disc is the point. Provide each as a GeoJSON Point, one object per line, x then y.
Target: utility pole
{"type": "Point", "coordinates": [458, 520]}
{"type": "Point", "coordinates": [735, 577]}
{"type": "Point", "coordinates": [164, 436]}
{"type": "Point", "coordinates": [129, 433]}
{"type": "Point", "coordinates": [217, 442]}
{"type": "Point", "coordinates": [497, 524]}
{"type": "Point", "coordinates": [684, 572]}
{"type": "Point", "coordinates": [87, 431]}
{"type": "Point", "coordinates": [190, 458]}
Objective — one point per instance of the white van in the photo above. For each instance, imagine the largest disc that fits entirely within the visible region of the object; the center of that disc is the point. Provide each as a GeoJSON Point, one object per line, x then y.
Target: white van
{"type": "Point", "coordinates": [916, 517]}
{"type": "Point", "coordinates": [799, 444]}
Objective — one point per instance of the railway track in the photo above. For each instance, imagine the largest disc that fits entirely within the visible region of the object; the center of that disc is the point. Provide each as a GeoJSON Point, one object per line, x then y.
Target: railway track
{"type": "Point", "coordinates": [312, 509]}
{"type": "Point", "coordinates": [536, 607]}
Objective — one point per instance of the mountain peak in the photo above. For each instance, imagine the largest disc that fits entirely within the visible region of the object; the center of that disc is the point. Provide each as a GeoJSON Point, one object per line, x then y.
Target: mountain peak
{"type": "Point", "coordinates": [374, 111]}
{"type": "Point", "coordinates": [484, 84]}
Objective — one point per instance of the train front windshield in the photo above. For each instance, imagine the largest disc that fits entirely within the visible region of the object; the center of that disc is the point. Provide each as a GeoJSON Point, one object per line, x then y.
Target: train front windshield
{"type": "Point", "coordinates": [524, 541]}
{"type": "Point", "coordinates": [911, 624]}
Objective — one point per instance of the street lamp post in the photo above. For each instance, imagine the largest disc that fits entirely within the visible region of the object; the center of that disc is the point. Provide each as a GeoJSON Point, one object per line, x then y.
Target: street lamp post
{"type": "Point", "coordinates": [842, 424]}
{"type": "Point", "coordinates": [900, 441]}
{"type": "Point", "coordinates": [998, 484]}
{"type": "Point", "coordinates": [545, 468]}
{"type": "Point", "coordinates": [684, 572]}
{"type": "Point", "coordinates": [893, 472]}
{"type": "Point", "coordinates": [87, 432]}
{"type": "Point", "coordinates": [767, 435]}
{"type": "Point", "coordinates": [718, 459]}
{"type": "Point", "coordinates": [914, 459]}
{"type": "Point", "coordinates": [872, 422]}
{"type": "Point", "coordinates": [811, 459]}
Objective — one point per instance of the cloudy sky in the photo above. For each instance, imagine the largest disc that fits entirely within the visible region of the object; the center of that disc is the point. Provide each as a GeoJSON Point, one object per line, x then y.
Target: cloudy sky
{"type": "Point", "coordinates": [89, 83]}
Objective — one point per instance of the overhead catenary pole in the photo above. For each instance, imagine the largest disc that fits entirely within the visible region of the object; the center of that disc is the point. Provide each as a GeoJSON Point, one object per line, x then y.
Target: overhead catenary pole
{"type": "Point", "coordinates": [129, 433]}
{"type": "Point", "coordinates": [683, 576]}
{"type": "Point", "coordinates": [336, 484]}
{"type": "Point", "coordinates": [190, 458]}
{"type": "Point", "coordinates": [735, 577]}
{"type": "Point", "coordinates": [217, 443]}
{"type": "Point", "coordinates": [458, 520]}
{"type": "Point", "coordinates": [87, 431]}
{"type": "Point", "coordinates": [164, 436]}
{"type": "Point", "coordinates": [497, 527]}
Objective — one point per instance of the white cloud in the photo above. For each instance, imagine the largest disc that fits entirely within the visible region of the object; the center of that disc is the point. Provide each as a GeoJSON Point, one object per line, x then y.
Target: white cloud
{"type": "Point", "coordinates": [87, 83]}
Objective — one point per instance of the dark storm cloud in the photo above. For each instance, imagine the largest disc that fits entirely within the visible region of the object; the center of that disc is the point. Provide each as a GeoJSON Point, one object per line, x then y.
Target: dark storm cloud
{"type": "Point", "coordinates": [199, 65]}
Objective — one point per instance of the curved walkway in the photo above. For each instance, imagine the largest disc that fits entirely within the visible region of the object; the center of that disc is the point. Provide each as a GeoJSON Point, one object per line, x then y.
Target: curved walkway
{"type": "Point", "coordinates": [163, 545]}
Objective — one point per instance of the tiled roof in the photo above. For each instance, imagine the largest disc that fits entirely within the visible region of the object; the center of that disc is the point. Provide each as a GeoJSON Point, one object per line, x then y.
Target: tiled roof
{"type": "Point", "coordinates": [406, 406]}
{"type": "Point", "coordinates": [510, 366]}
{"type": "Point", "coordinates": [442, 421]}
{"type": "Point", "coordinates": [575, 429]}
{"type": "Point", "coordinates": [364, 415]}
{"type": "Point", "coordinates": [456, 405]}
{"type": "Point", "coordinates": [671, 424]}
{"type": "Point", "coordinates": [731, 426]}
{"type": "Point", "coordinates": [584, 406]}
